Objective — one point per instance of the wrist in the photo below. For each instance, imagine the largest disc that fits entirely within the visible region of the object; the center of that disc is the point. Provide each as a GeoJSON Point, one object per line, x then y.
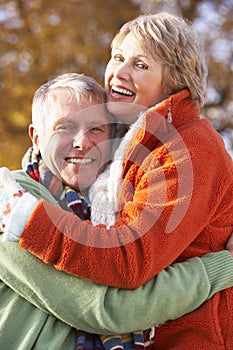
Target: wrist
{"type": "Point", "coordinates": [219, 267]}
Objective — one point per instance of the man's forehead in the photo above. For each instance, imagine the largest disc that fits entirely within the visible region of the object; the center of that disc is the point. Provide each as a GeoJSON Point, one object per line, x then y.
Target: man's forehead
{"type": "Point", "coordinates": [61, 106]}
{"type": "Point", "coordinates": [80, 114]}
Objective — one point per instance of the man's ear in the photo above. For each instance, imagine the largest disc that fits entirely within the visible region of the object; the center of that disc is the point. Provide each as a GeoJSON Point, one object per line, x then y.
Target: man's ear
{"type": "Point", "coordinates": [35, 138]}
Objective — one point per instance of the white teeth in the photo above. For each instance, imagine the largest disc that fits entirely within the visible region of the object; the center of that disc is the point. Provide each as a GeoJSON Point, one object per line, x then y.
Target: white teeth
{"type": "Point", "coordinates": [79, 160]}
{"type": "Point", "coordinates": [122, 91]}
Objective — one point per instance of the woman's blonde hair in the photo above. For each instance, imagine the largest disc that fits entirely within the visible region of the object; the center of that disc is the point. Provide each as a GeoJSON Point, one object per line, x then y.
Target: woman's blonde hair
{"type": "Point", "coordinates": [172, 41]}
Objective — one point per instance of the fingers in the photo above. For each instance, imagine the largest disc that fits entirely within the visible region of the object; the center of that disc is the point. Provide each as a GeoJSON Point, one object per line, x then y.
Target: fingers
{"type": "Point", "coordinates": [7, 180]}
{"type": "Point", "coordinates": [6, 177]}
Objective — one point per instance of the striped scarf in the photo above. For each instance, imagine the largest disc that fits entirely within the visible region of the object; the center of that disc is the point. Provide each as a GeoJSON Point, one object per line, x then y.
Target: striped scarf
{"type": "Point", "coordinates": [75, 201]}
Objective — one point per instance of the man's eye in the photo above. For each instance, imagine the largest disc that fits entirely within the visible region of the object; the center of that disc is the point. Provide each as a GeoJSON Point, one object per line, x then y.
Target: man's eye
{"type": "Point", "coordinates": [97, 129]}
{"type": "Point", "coordinates": [62, 128]}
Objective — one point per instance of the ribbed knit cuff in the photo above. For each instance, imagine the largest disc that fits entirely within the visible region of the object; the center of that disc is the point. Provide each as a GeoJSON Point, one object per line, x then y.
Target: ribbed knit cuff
{"type": "Point", "coordinates": [219, 267]}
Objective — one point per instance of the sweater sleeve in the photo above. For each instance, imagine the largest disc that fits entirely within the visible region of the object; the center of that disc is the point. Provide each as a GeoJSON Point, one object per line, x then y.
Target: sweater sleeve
{"type": "Point", "coordinates": [23, 326]}
{"type": "Point", "coordinates": [98, 309]}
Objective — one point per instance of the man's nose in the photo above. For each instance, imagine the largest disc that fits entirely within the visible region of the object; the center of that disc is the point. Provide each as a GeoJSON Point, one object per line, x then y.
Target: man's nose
{"type": "Point", "coordinates": [81, 140]}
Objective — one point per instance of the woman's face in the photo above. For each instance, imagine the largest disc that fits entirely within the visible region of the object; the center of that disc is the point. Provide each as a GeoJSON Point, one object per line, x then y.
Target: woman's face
{"type": "Point", "coordinates": [132, 77]}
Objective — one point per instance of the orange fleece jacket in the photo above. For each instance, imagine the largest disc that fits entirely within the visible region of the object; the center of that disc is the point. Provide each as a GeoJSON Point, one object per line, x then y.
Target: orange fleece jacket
{"type": "Point", "coordinates": [176, 202]}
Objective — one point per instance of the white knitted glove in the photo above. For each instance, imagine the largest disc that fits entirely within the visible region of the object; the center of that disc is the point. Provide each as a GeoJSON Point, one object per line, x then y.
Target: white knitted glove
{"type": "Point", "coordinates": [16, 206]}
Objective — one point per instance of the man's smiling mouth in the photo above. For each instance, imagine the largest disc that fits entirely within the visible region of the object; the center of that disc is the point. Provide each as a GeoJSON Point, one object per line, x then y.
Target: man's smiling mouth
{"type": "Point", "coordinates": [82, 161]}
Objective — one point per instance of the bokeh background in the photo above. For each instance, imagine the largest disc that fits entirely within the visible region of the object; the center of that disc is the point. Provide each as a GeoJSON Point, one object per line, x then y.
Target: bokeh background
{"type": "Point", "coordinates": [41, 38]}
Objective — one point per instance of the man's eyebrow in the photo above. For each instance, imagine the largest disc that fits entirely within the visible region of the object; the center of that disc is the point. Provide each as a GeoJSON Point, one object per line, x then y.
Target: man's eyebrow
{"type": "Point", "coordinates": [89, 123]}
{"type": "Point", "coordinates": [98, 123]}
{"type": "Point", "coordinates": [61, 120]}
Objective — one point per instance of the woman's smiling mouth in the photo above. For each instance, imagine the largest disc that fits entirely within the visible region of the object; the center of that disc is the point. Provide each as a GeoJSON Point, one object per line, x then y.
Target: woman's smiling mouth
{"type": "Point", "coordinates": [122, 91]}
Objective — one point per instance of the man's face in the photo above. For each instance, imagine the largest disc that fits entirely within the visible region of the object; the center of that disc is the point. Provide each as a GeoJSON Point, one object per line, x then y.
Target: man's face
{"type": "Point", "coordinates": [75, 143]}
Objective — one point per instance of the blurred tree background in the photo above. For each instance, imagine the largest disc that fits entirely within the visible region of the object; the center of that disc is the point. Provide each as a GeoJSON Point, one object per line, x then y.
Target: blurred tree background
{"type": "Point", "coordinates": [41, 38]}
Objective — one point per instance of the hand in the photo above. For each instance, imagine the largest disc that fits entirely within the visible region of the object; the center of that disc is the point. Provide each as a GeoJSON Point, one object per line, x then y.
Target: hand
{"type": "Point", "coordinates": [10, 192]}
{"type": "Point", "coordinates": [230, 245]}
{"type": "Point", "coordinates": [16, 206]}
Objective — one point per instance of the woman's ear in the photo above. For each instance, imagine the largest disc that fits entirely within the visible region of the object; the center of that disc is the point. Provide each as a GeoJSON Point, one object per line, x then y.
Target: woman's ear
{"type": "Point", "coordinates": [35, 138]}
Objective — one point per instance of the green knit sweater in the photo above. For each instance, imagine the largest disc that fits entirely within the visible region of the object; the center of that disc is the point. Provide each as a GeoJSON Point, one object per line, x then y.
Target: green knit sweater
{"type": "Point", "coordinates": [39, 305]}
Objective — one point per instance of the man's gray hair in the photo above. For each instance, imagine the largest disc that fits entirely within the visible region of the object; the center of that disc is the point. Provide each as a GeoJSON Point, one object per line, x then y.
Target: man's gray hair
{"type": "Point", "coordinates": [81, 88]}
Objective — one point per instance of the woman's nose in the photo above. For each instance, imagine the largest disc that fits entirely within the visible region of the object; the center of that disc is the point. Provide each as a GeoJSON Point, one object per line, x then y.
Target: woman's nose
{"type": "Point", "coordinates": [122, 70]}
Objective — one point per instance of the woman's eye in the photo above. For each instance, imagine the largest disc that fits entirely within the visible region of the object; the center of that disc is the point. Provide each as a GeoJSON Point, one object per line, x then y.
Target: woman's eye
{"type": "Point", "coordinates": [118, 58]}
{"type": "Point", "coordinates": [141, 65]}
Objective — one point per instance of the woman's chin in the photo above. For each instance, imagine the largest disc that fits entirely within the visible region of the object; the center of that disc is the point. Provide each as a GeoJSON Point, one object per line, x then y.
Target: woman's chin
{"type": "Point", "coordinates": [125, 111]}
